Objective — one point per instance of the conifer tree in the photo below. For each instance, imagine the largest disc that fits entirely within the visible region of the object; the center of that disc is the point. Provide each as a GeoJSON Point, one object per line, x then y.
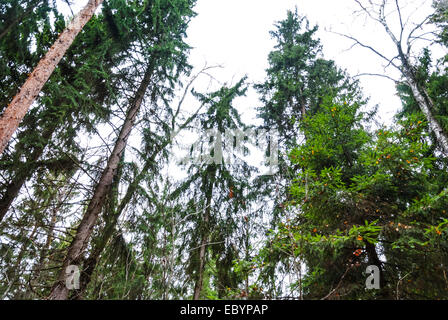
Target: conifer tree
{"type": "Point", "coordinates": [165, 60]}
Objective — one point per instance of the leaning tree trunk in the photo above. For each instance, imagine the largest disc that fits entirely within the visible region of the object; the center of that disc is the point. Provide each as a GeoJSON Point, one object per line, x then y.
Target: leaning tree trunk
{"type": "Point", "coordinates": [16, 110]}
{"type": "Point", "coordinates": [423, 99]}
{"type": "Point", "coordinates": [426, 106]}
{"type": "Point", "coordinates": [92, 261]}
{"type": "Point", "coordinates": [84, 231]}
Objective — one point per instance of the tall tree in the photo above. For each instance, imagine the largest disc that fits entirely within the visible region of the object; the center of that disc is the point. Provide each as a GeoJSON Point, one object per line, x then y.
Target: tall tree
{"type": "Point", "coordinates": [16, 110]}
{"type": "Point", "coordinates": [219, 193]}
{"type": "Point", "coordinates": [75, 94]}
{"type": "Point", "coordinates": [298, 77]}
{"type": "Point", "coordinates": [404, 40]}
{"type": "Point", "coordinates": [158, 146]}
{"type": "Point", "coordinates": [164, 55]}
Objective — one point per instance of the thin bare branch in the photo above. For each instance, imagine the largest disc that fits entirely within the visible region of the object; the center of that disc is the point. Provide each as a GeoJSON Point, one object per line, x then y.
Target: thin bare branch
{"type": "Point", "coordinates": [377, 75]}
{"type": "Point", "coordinates": [357, 42]}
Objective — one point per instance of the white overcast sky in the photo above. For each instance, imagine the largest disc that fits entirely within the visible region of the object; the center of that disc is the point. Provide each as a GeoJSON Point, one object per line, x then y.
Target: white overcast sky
{"type": "Point", "coordinates": [235, 33]}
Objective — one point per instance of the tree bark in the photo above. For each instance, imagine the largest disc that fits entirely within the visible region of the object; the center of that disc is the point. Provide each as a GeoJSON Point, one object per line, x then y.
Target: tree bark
{"type": "Point", "coordinates": [202, 252]}
{"type": "Point", "coordinates": [423, 99]}
{"type": "Point", "coordinates": [204, 241]}
{"type": "Point", "coordinates": [16, 110]}
{"type": "Point", "coordinates": [426, 105]}
{"type": "Point", "coordinates": [92, 261]}
{"type": "Point", "coordinates": [84, 231]}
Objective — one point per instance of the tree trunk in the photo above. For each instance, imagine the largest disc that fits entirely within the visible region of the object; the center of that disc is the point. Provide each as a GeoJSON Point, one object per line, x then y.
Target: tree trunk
{"type": "Point", "coordinates": [202, 252]}
{"type": "Point", "coordinates": [204, 241]}
{"type": "Point", "coordinates": [426, 105]}
{"type": "Point", "coordinates": [14, 272]}
{"type": "Point", "coordinates": [16, 110]}
{"type": "Point", "coordinates": [39, 265]}
{"type": "Point", "coordinates": [374, 260]}
{"type": "Point", "coordinates": [93, 259]}
{"type": "Point", "coordinates": [423, 100]}
{"type": "Point", "coordinates": [79, 243]}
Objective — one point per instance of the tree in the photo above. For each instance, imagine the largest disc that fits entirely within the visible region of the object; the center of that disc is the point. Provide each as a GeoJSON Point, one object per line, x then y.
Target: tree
{"type": "Point", "coordinates": [162, 59]}
{"type": "Point", "coordinates": [219, 195]}
{"type": "Point", "coordinates": [404, 40]}
{"type": "Point", "coordinates": [16, 110]}
{"type": "Point", "coordinates": [116, 210]}
{"type": "Point", "coordinates": [76, 94]}
{"type": "Point", "coordinates": [298, 78]}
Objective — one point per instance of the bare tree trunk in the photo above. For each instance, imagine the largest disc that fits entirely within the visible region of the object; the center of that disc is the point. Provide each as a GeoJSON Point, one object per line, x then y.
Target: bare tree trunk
{"type": "Point", "coordinates": [426, 105]}
{"type": "Point", "coordinates": [406, 68]}
{"type": "Point", "coordinates": [202, 252]}
{"type": "Point", "coordinates": [79, 243]}
{"type": "Point", "coordinates": [92, 261]}
{"type": "Point", "coordinates": [16, 110]}
{"type": "Point", "coordinates": [203, 247]}
{"type": "Point", "coordinates": [422, 97]}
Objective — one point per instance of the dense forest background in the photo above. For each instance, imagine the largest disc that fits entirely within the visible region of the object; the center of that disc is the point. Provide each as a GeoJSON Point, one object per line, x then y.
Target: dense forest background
{"type": "Point", "coordinates": [93, 176]}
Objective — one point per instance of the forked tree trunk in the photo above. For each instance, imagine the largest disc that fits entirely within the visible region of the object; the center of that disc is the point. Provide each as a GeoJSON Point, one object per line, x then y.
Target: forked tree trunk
{"type": "Point", "coordinates": [16, 110]}
{"type": "Point", "coordinates": [84, 231]}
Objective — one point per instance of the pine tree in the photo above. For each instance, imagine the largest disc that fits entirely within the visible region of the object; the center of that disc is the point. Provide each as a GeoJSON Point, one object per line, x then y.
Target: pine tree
{"type": "Point", "coordinates": [163, 60]}
{"type": "Point", "coordinates": [218, 189]}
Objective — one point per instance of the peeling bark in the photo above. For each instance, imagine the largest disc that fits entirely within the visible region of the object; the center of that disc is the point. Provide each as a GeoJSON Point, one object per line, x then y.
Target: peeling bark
{"type": "Point", "coordinates": [19, 106]}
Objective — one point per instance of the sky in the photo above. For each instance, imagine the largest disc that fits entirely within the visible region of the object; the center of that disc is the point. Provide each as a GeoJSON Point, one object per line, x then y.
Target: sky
{"type": "Point", "coordinates": [235, 34]}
